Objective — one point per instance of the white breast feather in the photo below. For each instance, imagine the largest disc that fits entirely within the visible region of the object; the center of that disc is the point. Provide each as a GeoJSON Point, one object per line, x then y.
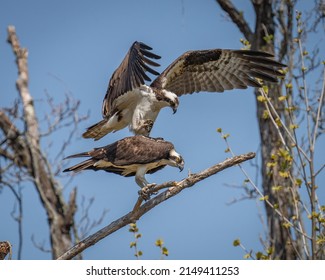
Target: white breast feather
{"type": "Point", "coordinates": [145, 108]}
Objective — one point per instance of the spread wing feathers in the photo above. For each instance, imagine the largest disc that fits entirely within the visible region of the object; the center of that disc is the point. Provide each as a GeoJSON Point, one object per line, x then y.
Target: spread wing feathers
{"type": "Point", "coordinates": [123, 156]}
{"type": "Point", "coordinates": [130, 74]}
{"type": "Point", "coordinates": [218, 70]}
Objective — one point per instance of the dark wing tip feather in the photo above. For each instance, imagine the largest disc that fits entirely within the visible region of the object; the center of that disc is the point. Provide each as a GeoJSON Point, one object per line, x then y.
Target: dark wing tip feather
{"type": "Point", "coordinates": [150, 54]}
{"type": "Point", "coordinates": [263, 76]}
{"type": "Point", "coordinates": [145, 50]}
{"type": "Point", "coordinates": [262, 57]}
{"type": "Point", "coordinates": [150, 62]}
{"type": "Point", "coordinates": [138, 73]}
{"type": "Point", "coordinates": [143, 45]}
{"type": "Point", "coordinates": [266, 61]}
{"type": "Point", "coordinates": [147, 68]}
{"type": "Point", "coordinates": [255, 53]}
{"type": "Point", "coordinates": [262, 66]}
{"type": "Point", "coordinates": [139, 64]}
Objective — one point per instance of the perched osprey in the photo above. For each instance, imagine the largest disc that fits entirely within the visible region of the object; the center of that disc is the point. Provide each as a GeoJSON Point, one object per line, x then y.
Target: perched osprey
{"type": "Point", "coordinates": [131, 156]}
{"type": "Point", "coordinates": [129, 102]}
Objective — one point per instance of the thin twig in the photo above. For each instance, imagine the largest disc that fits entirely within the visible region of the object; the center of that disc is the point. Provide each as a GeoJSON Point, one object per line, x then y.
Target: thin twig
{"type": "Point", "coordinates": [319, 110]}
{"type": "Point", "coordinates": [283, 125]}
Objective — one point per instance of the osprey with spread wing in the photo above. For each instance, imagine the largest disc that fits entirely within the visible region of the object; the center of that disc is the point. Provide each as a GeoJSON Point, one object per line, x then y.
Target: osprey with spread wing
{"type": "Point", "coordinates": [131, 156]}
{"type": "Point", "coordinates": [129, 102]}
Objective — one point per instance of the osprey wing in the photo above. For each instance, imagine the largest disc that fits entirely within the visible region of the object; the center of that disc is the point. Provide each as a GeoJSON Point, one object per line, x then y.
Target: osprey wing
{"type": "Point", "coordinates": [141, 150]}
{"type": "Point", "coordinates": [218, 70]}
{"type": "Point", "coordinates": [130, 74]}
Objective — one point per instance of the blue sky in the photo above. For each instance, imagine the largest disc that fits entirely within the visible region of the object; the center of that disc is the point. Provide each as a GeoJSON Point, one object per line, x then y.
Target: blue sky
{"type": "Point", "coordinates": [74, 47]}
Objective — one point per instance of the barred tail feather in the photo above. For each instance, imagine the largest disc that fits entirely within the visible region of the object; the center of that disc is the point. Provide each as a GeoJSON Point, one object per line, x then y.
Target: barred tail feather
{"type": "Point", "coordinates": [97, 130]}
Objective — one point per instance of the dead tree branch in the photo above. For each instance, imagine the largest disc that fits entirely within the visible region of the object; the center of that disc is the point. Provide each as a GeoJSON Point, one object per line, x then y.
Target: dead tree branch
{"type": "Point", "coordinates": [173, 189]}
{"type": "Point", "coordinates": [25, 146]}
{"type": "Point", "coordinates": [237, 17]}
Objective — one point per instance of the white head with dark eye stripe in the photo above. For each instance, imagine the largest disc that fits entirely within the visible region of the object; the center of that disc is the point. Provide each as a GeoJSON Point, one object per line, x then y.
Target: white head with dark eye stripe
{"type": "Point", "coordinates": [171, 99]}
{"type": "Point", "coordinates": [176, 160]}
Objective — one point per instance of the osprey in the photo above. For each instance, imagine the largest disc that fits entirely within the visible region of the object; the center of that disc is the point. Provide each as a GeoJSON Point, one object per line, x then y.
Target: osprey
{"type": "Point", "coordinates": [131, 156]}
{"type": "Point", "coordinates": [129, 102]}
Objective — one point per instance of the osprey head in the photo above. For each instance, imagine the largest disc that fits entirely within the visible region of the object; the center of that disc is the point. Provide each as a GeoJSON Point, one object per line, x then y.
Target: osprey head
{"type": "Point", "coordinates": [171, 99]}
{"type": "Point", "coordinates": [176, 160]}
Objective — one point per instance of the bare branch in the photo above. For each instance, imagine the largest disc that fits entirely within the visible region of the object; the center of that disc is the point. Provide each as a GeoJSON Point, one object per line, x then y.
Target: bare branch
{"type": "Point", "coordinates": [237, 17]}
{"type": "Point", "coordinates": [40, 245]}
{"type": "Point", "coordinates": [174, 188]}
{"type": "Point", "coordinates": [319, 110]}
{"type": "Point", "coordinates": [85, 224]}
{"type": "Point", "coordinates": [285, 19]}
{"type": "Point", "coordinates": [14, 140]}
{"type": "Point", "coordinates": [22, 86]}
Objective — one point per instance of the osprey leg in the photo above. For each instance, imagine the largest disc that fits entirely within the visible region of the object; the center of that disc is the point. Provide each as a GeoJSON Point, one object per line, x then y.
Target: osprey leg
{"type": "Point", "coordinates": [143, 183]}
{"type": "Point", "coordinates": [145, 128]}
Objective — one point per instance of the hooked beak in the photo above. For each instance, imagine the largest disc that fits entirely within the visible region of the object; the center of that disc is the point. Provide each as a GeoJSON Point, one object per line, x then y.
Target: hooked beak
{"type": "Point", "coordinates": [175, 106]}
{"type": "Point", "coordinates": [181, 166]}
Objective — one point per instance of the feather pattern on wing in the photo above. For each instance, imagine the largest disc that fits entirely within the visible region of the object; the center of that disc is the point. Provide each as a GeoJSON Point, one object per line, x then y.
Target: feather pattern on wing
{"type": "Point", "coordinates": [129, 75]}
{"type": "Point", "coordinates": [218, 70]}
{"type": "Point", "coordinates": [122, 157]}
